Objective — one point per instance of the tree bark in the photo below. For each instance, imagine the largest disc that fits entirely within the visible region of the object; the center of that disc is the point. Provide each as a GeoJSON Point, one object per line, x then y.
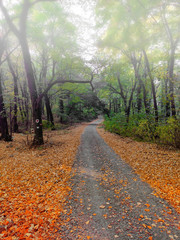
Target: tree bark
{"type": "Point", "coordinates": [173, 46]}
{"type": "Point", "coordinates": [3, 117]}
{"type": "Point", "coordinates": [167, 99]}
{"type": "Point", "coordinates": [152, 86]}
{"type": "Point", "coordinates": [130, 101]}
{"type": "Point", "coordinates": [127, 106]}
{"type": "Point", "coordinates": [22, 36]}
{"type": "Point", "coordinates": [15, 80]}
{"type": "Point", "coordinates": [61, 109]}
{"type": "Point", "coordinates": [50, 117]}
{"type": "Point", "coordinates": [171, 81]}
{"type": "Point", "coordinates": [36, 107]}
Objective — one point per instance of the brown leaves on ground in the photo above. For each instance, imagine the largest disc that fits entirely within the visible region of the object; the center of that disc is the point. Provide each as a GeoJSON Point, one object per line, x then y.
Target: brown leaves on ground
{"type": "Point", "coordinates": [155, 165]}
{"type": "Point", "coordinates": [34, 184]}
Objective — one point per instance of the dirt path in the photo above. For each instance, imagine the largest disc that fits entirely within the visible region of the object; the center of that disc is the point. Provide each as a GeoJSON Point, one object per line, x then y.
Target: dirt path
{"type": "Point", "coordinates": [109, 201]}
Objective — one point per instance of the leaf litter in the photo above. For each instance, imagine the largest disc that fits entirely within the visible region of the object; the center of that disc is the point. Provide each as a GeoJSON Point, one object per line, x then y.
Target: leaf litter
{"type": "Point", "coordinates": [156, 165]}
{"type": "Point", "coordinates": [34, 184]}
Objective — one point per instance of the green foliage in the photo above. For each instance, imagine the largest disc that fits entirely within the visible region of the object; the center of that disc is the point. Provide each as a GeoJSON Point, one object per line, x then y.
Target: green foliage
{"type": "Point", "coordinates": [47, 125]}
{"type": "Point", "coordinates": [170, 132]}
{"type": "Point", "coordinates": [145, 129]}
{"type": "Point", "coordinates": [116, 124]}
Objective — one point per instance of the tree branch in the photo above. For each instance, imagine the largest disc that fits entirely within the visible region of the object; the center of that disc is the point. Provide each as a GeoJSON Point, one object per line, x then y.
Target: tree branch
{"type": "Point", "coordinates": [8, 54]}
{"type": "Point", "coordinates": [8, 19]}
{"type": "Point", "coordinates": [56, 82]}
{"type": "Point", "coordinates": [168, 31]}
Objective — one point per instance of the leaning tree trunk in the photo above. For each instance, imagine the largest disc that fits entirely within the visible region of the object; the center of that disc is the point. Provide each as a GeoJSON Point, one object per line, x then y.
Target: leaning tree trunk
{"type": "Point", "coordinates": [3, 118]}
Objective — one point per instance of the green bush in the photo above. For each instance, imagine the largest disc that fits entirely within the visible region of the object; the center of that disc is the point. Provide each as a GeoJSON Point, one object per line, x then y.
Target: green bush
{"type": "Point", "coordinates": [170, 132]}
{"type": "Point", "coordinates": [146, 130]}
{"type": "Point", "coordinates": [46, 124]}
{"type": "Point", "coordinates": [116, 124]}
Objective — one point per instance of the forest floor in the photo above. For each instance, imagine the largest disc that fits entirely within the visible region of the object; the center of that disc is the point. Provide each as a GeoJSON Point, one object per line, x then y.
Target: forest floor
{"type": "Point", "coordinates": [35, 183]}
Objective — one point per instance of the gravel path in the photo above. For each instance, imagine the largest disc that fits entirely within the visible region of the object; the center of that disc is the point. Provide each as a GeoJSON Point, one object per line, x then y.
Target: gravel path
{"type": "Point", "coordinates": [109, 201]}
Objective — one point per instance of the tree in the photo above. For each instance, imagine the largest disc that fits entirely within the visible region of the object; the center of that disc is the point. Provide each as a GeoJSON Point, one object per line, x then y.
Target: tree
{"type": "Point", "coordinates": [21, 34]}
{"type": "Point", "coordinates": [3, 117]}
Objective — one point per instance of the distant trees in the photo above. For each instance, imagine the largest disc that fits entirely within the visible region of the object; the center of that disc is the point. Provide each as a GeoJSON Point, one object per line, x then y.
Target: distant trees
{"type": "Point", "coordinates": [146, 34]}
{"type": "Point", "coordinates": [142, 39]}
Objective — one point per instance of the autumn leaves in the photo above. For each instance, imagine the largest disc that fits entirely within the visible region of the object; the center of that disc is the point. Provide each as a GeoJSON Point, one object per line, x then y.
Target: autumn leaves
{"type": "Point", "coordinates": [155, 165]}
{"type": "Point", "coordinates": [34, 185]}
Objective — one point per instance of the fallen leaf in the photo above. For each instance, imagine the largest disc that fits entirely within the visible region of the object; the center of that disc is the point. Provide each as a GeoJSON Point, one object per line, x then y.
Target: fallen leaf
{"type": "Point", "coordinates": [147, 210]}
{"type": "Point", "coordinates": [102, 206]}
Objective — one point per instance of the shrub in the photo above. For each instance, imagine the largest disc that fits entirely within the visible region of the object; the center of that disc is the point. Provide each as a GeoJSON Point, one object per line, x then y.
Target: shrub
{"type": "Point", "coordinates": [170, 132]}
{"type": "Point", "coordinates": [46, 124]}
{"type": "Point", "coordinates": [146, 130]}
{"type": "Point", "coordinates": [116, 124]}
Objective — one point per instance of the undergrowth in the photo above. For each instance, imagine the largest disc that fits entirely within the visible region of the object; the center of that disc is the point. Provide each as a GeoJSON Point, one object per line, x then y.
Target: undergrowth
{"type": "Point", "coordinates": [145, 129]}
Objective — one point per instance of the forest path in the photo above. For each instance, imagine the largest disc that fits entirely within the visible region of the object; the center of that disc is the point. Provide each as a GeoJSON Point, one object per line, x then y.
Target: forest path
{"type": "Point", "coordinates": [109, 201]}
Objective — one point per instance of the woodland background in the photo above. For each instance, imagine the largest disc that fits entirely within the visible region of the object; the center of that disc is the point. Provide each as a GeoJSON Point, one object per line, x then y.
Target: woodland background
{"type": "Point", "coordinates": [117, 58]}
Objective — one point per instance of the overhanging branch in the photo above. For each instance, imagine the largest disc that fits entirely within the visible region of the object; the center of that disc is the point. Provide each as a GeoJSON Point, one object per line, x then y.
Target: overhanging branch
{"type": "Point", "coordinates": [56, 82]}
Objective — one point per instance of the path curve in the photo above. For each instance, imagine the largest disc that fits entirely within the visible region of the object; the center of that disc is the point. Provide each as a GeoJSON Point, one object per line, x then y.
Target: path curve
{"type": "Point", "coordinates": [109, 201]}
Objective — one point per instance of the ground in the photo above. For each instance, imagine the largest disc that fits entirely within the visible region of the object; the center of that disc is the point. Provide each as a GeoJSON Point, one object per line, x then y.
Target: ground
{"type": "Point", "coordinates": [46, 195]}
{"type": "Point", "coordinates": [34, 183]}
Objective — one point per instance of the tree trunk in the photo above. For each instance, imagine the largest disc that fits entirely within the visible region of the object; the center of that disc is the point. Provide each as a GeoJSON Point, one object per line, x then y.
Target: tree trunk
{"type": "Point", "coordinates": [3, 117]}
{"type": "Point", "coordinates": [152, 86]}
{"type": "Point", "coordinates": [167, 99]}
{"type": "Point", "coordinates": [61, 108]}
{"type": "Point", "coordinates": [173, 46]}
{"type": "Point", "coordinates": [171, 79]}
{"type": "Point", "coordinates": [36, 107]}
{"type": "Point", "coordinates": [139, 100]}
{"type": "Point", "coordinates": [15, 80]}
{"type": "Point", "coordinates": [22, 36]}
{"type": "Point", "coordinates": [128, 109]}
{"type": "Point", "coordinates": [48, 110]}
